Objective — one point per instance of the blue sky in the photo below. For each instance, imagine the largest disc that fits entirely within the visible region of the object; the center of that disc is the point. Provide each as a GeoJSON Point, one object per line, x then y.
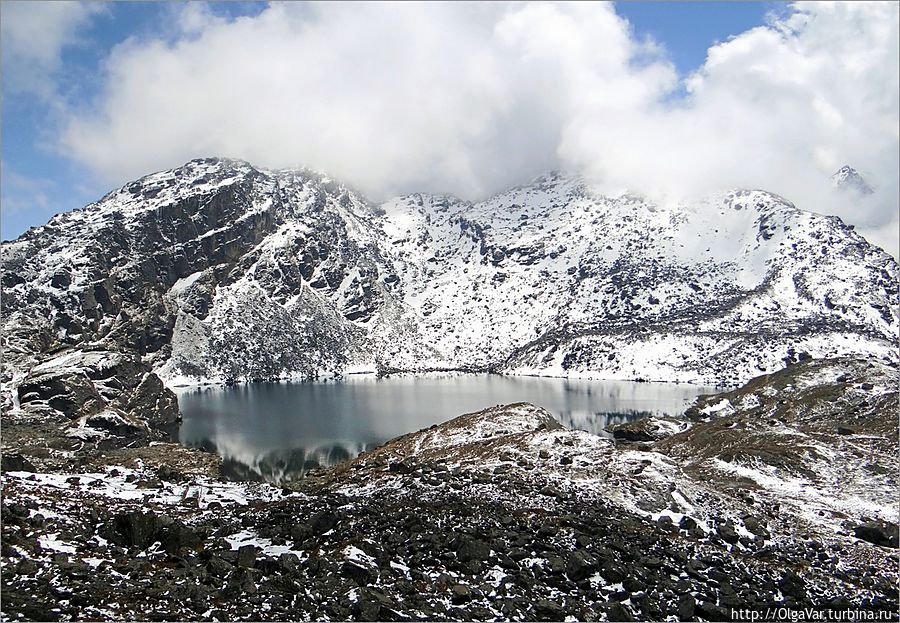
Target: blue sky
{"type": "Point", "coordinates": [39, 181]}
{"type": "Point", "coordinates": [688, 29]}
{"type": "Point", "coordinates": [680, 100]}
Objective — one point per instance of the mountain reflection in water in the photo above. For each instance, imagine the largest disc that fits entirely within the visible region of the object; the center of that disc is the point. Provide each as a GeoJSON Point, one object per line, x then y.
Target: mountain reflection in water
{"type": "Point", "coordinates": [276, 432]}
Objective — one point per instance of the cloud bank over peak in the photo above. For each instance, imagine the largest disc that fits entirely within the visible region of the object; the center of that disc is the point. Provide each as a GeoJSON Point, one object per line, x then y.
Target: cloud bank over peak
{"type": "Point", "coordinates": [472, 98]}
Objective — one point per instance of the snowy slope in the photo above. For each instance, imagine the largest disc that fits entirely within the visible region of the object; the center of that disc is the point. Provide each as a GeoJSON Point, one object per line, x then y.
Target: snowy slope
{"type": "Point", "coordinates": [554, 278]}
{"type": "Point", "coordinates": [848, 178]}
{"type": "Point", "coordinates": [221, 271]}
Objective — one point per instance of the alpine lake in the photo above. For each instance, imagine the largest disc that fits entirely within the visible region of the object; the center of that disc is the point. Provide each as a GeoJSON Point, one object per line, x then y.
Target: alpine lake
{"type": "Point", "coordinates": [276, 432]}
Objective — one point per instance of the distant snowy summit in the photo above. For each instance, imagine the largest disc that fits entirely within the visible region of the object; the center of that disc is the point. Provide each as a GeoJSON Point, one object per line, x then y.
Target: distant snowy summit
{"type": "Point", "coordinates": [848, 178]}
{"type": "Point", "coordinates": [219, 271]}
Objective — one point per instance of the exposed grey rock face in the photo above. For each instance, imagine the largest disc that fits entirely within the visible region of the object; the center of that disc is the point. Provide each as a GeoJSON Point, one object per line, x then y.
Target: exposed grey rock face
{"type": "Point", "coordinates": [222, 271]}
{"type": "Point", "coordinates": [181, 255]}
{"type": "Point", "coordinates": [102, 394]}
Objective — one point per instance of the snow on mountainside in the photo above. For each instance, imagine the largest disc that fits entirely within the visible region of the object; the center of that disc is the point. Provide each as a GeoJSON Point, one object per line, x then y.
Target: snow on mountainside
{"type": "Point", "coordinates": [219, 270]}
{"type": "Point", "coordinates": [848, 178]}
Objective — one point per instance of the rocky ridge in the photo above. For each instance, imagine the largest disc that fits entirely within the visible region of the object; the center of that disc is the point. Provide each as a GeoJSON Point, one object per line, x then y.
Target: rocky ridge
{"type": "Point", "coordinates": [502, 514]}
{"type": "Point", "coordinates": [220, 271]}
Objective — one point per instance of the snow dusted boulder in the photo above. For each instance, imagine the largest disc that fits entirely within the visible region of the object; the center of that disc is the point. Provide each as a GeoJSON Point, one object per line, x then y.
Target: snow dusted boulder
{"type": "Point", "coordinates": [100, 393]}
{"type": "Point", "coordinates": [648, 428]}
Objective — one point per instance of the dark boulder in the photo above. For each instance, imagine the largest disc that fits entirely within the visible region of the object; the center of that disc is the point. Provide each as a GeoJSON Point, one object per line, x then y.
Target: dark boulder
{"type": "Point", "coordinates": [240, 582]}
{"type": "Point", "coordinates": [15, 463]}
{"type": "Point", "coordinates": [687, 523]}
{"type": "Point", "coordinates": [301, 531]}
{"type": "Point", "coordinates": [356, 572]}
{"type": "Point", "coordinates": [373, 605]}
{"type": "Point", "coordinates": [469, 550]}
{"type": "Point", "coordinates": [177, 536]}
{"type": "Point", "coordinates": [580, 566]}
{"type": "Point", "coordinates": [878, 532]}
{"type": "Point", "coordinates": [165, 472]}
{"type": "Point", "coordinates": [218, 567]}
{"type": "Point", "coordinates": [288, 562]}
{"type": "Point", "coordinates": [133, 529]}
{"type": "Point", "coordinates": [555, 565]}
{"type": "Point", "coordinates": [727, 532]}
{"type": "Point", "coordinates": [322, 522]}
{"type": "Point", "coordinates": [246, 557]}
{"type": "Point", "coordinates": [645, 429]}
{"type": "Point", "coordinates": [712, 612]}
{"type": "Point", "coordinates": [460, 593]}
{"type": "Point", "coordinates": [630, 434]}
{"type": "Point", "coordinates": [686, 604]}
{"type": "Point", "coordinates": [615, 611]}
{"type": "Point", "coordinates": [756, 526]}
{"type": "Point", "coordinates": [546, 610]}
{"type": "Point", "coordinates": [400, 467]}
{"type": "Point", "coordinates": [792, 585]}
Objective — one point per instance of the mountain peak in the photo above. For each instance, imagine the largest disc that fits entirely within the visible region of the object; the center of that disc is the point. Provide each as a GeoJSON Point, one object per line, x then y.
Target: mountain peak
{"type": "Point", "coordinates": [848, 178]}
{"type": "Point", "coordinates": [220, 270]}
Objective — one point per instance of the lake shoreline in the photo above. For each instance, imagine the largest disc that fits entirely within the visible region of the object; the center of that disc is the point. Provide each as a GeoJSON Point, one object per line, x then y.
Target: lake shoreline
{"type": "Point", "coordinates": [276, 431]}
{"type": "Point", "coordinates": [184, 383]}
{"type": "Point", "coordinates": [500, 514]}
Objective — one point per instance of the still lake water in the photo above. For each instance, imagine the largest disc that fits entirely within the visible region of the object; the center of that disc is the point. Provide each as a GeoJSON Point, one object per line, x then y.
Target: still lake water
{"type": "Point", "coordinates": [278, 431]}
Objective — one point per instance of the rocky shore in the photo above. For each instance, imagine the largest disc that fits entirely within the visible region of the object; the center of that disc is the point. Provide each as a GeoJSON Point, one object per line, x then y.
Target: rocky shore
{"type": "Point", "coordinates": [779, 494]}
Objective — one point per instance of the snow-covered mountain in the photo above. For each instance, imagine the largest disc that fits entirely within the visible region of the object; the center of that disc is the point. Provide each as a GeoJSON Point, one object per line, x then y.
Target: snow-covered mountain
{"type": "Point", "coordinates": [220, 270]}
{"type": "Point", "coordinates": [848, 178]}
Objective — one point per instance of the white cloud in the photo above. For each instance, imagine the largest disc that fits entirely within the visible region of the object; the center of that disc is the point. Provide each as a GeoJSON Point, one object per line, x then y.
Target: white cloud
{"type": "Point", "coordinates": [465, 98]}
{"type": "Point", "coordinates": [195, 17]}
{"type": "Point", "coordinates": [471, 98]}
{"type": "Point", "coordinates": [32, 36]}
{"type": "Point", "coordinates": [779, 108]}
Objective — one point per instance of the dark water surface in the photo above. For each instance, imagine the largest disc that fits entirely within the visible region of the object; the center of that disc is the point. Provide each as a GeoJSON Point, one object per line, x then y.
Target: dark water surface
{"type": "Point", "coordinates": [278, 431]}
